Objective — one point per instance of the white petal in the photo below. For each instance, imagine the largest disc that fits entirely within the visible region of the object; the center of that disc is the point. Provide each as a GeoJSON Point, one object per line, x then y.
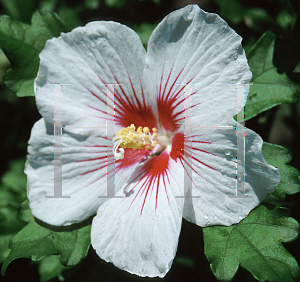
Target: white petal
{"type": "Point", "coordinates": [83, 175]}
{"type": "Point", "coordinates": [214, 200]}
{"type": "Point", "coordinates": [192, 46]}
{"type": "Point", "coordinates": [135, 234]}
{"type": "Point", "coordinates": [85, 59]}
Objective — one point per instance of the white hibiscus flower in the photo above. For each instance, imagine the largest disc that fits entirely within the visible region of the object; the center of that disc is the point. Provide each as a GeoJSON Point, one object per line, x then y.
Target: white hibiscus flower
{"type": "Point", "coordinates": [171, 173]}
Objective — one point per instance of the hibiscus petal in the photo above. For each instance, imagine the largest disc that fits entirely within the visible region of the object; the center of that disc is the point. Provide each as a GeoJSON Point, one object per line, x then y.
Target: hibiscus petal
{"type": "Point", "coordinates": [84, 178]}
{"type": "Point", "coordinates": [139, 233]}
{"type": "Point", "coordinates": [192, 46]}
{"type": "Point", "coordinates": [214, 152]}
{"type": "Point", "coordinates": [86, 59]}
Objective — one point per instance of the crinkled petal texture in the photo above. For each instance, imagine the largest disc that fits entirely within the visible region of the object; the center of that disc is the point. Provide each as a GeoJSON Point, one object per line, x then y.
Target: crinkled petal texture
{"type": "Point", "coordinates": [138, 229]}
{"type": "Point", "coordinates": [87, 60]}
{"type": "Point", "coordinates": [192, 46]}
{"type": "Point", "coordinates": [139, 233]}
{"type": "Point", "coordinates": [217, 195]}
{"type": "Point", "coordinates": [84, 175]}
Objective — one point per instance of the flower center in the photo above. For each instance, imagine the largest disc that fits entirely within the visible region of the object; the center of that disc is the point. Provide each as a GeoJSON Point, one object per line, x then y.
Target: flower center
{"type": "Point", "coordinates": [134, 139]}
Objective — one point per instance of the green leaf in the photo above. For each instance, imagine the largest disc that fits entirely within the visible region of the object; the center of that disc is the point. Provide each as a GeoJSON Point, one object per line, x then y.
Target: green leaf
{"type": "Point", "coordinates": [257, 19]}
{"type": "Point", "coordinates": [4, 243]}
{"type": "Point", "coordinates": [269, 88]}
{"type": "Point", "coordinates": [255, 244]}
{"type": "Point", "coordinates": [15, 178]}
{"type": "Point", "coordinates": [285, 19]}
{"type": "Point", "coordinates": [22, 44]}
{"type": "Point", "coordinates": [115, 3]}
{"type": "Point", "coordinates": [144, 31]}
{"type": "Point", "coordinates": [92, 4]}
{"type": "Point", "coordinates": [35, 241]}
{"type": "Point", "coordinates": [70, 15]}
{"type": "Point", "coordinates": [9, 207]}
{"type": "Point", "coordinates": [18, 10]}
{"type": "Point", "coordinates": [49, 268]}
{"type": "Point", "coordinates": [231, 10]}
{"type": "Point", "coordinates": [12, 194]}
{"type": "Point", "coordinates": [279, 156]}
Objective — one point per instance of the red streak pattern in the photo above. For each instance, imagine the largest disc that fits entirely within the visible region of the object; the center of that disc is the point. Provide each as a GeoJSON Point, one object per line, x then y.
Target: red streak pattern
{"type": "Point", "coordinates": [181, 150]}
{"type": "Point", "coordinates": [133, 109]}
{"type": "Point", "coordinates": [177, 146]}
{"type": "Point", "coordinates": [168, 101]}
{"type": "Point", "coordinates": [131, 157]}
{"type": "Point", "coordinates": [150, 176]}
{"type": "Point", "coordinates": [129, 107]}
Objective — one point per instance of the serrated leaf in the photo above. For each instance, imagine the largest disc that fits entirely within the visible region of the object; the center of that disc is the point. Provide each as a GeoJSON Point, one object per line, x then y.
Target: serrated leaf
{"type": "Point", "coordinates": [269, 88]}
{"type": "Point", "coordinates": [35, 241]}
{"type": "Point", "coordinates": [22, 44]}
{"type": "Point", "coordinates": [255, 244]}
{"type": "Point", "coordinates": [279, 156]}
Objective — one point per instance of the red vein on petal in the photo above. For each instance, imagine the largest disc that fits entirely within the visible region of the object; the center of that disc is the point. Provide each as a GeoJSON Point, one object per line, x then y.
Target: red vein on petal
{"type": "Point", "coordinates": [98, 146]}
{"type": "Point", "coordinates": [202, 163]}
{"type": "Point", "coordinates": [94, 159]}
{"type": "Point", "coordinates": [103, 112]}
{"type": "Point", "coordinates": [169, 93]}
{"type": "Point", "coordinates": [99, 168]}
{"type": "Point", "coordinates": [134, 93]}
{"type": "Point", "coordinates": [131, 157]}
{"type": "Point", "coordinates": [180, 151]}
{"type": "Point", "coordinates": [129, 108]}
{"type": "Point", "coordinates": [182, 100]}
{"type": "Point", "coordinates": [133, 111]}
{"type": "Point", "coordinates": [143, 95]}
{"type": "Point", "coordinates": [167, 102]}
{"type": "Point", "coordinates": [166, 187]}
{"type": "Point", "coordinates": [149, 175]}
{"type": "Point", "coordinates": [200, 150]}
{"type": "Point", "coordinates": [184, 167]}
{"type": "Point", "coordinates": [166, 84]}
{"type": "Point", "coordinates": [161, 80]}
{"type": "Point", "coordinates": [118, 97]}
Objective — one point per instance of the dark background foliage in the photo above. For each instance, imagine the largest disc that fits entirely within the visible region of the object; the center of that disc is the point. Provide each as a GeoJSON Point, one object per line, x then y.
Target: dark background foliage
{"type": "Point", "coordinates": [279, 125]}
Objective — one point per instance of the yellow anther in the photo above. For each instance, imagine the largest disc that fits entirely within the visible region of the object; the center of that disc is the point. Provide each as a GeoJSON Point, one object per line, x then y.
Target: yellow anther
{"type": "Point", "coordinates": [129, 138]}
{"type": "Point", "coordinates": [145, 129]}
